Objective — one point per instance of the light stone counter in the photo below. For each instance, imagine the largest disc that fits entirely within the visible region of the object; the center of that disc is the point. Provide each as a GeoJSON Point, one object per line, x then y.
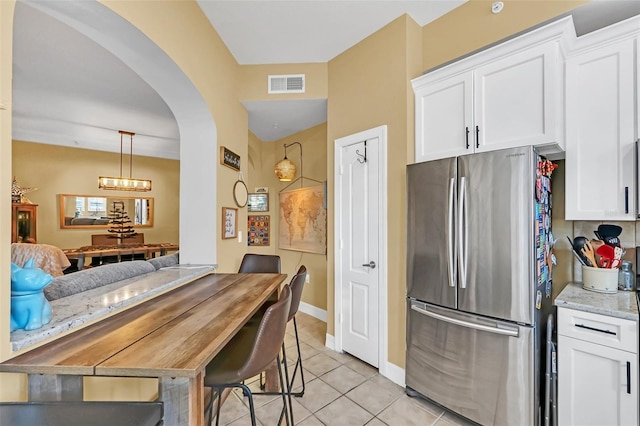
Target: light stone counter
{"type": "Point", "coordinates": [87, 306]}
{"type": "Point", "coordinates": [622, 304]}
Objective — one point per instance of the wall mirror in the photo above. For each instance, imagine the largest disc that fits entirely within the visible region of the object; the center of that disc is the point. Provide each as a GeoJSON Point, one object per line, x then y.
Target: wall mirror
{"type": "Point", "coordinates": [91, 211]}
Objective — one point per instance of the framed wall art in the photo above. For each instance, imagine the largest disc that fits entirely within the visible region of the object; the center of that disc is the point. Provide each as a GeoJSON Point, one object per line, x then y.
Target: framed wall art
{"type": "Point", "coordinates": [303, 220]}
{"type": "Point", "coordinates": [229, 158]}
{"type": "Point", "coordinates": [229, 223]}
{"type": "Point", "coordinates": [258, 202]}
{"type": "Point", "coordinates": [258, 229]}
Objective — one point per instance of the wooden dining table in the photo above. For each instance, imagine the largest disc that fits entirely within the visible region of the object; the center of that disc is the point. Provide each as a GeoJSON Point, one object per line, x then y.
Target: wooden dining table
{"type": "Point", "coordinates": [149, 250]}
{"type": "Point", "coordinates": [171, 337]}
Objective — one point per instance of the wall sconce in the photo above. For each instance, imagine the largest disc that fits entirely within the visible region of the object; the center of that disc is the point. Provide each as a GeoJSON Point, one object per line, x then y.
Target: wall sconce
{"type": "Point", "coordinates": [285, 170]}
{"type": "Point", "coordinates": [123, 183]}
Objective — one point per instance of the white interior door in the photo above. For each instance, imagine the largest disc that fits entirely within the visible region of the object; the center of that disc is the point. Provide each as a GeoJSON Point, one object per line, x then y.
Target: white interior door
{"type": "Point", "coordinates": [358, 256]}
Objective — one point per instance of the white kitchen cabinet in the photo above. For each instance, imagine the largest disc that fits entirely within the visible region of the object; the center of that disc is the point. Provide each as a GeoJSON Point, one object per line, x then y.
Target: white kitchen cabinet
{"type": "Point", "coordinates": [601, 122]}
{"type": "Point", "coordinates": [507, 96]}
{"type": "Point", "coordinates": [597, 369]}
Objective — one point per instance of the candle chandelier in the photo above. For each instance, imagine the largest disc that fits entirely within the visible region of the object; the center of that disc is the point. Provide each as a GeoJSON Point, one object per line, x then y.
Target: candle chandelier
{"type": "Point", "coordinates": [123, 183]}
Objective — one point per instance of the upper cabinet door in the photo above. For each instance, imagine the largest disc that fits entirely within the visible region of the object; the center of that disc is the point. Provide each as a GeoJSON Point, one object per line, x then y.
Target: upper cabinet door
{"type": "Point", "coordinates": [516, 99]}
{"type": "Point", "coordinates": [444, 118]}
{"type": "Point", "coordinates": [601, 117]}
{"type": "Point", "coordinates": [509, 101]}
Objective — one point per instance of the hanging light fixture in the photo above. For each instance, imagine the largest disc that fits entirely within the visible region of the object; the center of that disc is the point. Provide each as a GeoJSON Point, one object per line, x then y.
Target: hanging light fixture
{"type": "Point", "coordinates": [285, 170]}
{"type": "Point", "coordinates": [122, 183]}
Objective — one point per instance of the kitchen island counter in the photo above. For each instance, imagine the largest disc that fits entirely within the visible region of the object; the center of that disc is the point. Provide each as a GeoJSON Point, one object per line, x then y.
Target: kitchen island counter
{"type": "Point", "coordinates": [622, 304]}
{"type": "Point", "coordinates": [72, 312]}
{"type": "Point", "coordinates": [171, 337]}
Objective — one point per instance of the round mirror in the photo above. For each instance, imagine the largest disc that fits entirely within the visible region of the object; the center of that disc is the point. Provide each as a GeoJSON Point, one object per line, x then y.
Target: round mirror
{"type": "Point", "coordinates": [240, 193]}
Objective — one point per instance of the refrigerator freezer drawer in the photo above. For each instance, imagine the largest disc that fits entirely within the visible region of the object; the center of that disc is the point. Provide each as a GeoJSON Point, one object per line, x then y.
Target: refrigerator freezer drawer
{"type": "Point", "coordinates": [480, 368]}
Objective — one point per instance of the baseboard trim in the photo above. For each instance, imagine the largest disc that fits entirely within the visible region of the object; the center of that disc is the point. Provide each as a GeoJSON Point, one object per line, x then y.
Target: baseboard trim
{"type": "Point", "coordinates": [395, 374]}
{"type": "Point", "coordinates": [330, 342]}
{"type": "Point", "coordinates": [308, 309]}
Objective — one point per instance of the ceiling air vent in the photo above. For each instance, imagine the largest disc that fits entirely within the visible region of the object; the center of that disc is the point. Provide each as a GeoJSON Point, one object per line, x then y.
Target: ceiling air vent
{"type": "Point", "coordinates": [292, 83]}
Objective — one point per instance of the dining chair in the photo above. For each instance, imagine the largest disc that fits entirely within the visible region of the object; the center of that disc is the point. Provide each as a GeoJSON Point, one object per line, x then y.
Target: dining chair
{"type": "Point", "coordinates": [259, 263]}
{"type": "Point", "coordinates": [296, 285]}
{"type": "Point", "coordinates": [103, 240]}
{"type": "Point", "coordinates": [251, 351]}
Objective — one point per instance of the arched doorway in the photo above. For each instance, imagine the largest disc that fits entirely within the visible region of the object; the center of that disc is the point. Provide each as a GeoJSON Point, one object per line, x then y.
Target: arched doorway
{"type": "Point", "coordinates": [198, 136]}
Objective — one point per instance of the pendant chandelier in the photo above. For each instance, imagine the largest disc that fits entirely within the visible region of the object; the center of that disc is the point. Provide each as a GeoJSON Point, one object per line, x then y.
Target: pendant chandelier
{"type": "Point", "coordinates": [285, 170]}
{"type": "Point", "coordinates": [123, 183]}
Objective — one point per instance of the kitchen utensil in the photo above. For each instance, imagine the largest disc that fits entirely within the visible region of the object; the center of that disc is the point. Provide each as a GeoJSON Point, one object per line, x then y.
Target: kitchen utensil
{"type": "Point", "coordinates": [576, 254]}
{"type": "Point", "coordinates": [578, 244]}
{"type": "Point", "coordinates": [612, 241]}
{"type": "Point", "coordinates": [596, 244]}
{"type": "Point", "coordinates": [606, 254]}
{"type": "Point", "coordinates": [618, 252]}
{"type": "Point", "coordinates": [607, 230]}
{"type": "Point", "coordinates": [587, 251]}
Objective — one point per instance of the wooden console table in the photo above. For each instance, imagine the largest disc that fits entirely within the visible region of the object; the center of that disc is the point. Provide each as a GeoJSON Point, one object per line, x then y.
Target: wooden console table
{"type": "Point", "coordinates": [171, 337]}
{"type": "Point", "coordinates": [149, 250]}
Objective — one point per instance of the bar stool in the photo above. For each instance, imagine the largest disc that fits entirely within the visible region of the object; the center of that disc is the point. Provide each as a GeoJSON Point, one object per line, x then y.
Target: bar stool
{"type": "Point", "coordinates": [251, 351]}
{"type": "Point", "coordinates": [297, 284]}
{"type": "Point", "coordinates": [259, 263]}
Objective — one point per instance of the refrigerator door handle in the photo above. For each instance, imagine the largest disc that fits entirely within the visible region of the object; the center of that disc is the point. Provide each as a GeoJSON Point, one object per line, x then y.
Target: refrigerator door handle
{"type": "Point", "coordinates": [462, 234]}
{"type": "Point", "coordinates": [496, 330]}
{"type": "Point", "coordinates": [450, 240]}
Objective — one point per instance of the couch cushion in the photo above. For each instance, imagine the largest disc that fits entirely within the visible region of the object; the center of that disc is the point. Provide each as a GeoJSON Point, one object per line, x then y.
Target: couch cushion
{"type": "Point", "coordinates": [165, 261]}
{"type": "Point", "coordinates": [95, 277]}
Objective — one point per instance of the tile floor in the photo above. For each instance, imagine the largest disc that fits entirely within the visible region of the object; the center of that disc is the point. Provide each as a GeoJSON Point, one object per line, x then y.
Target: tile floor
{"type": "Point", "coordinates": [340, 390]}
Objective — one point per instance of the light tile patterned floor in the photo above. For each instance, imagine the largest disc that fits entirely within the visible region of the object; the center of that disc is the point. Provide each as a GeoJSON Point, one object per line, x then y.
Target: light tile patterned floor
{"type": "Point", "coordinates": [340, 390]}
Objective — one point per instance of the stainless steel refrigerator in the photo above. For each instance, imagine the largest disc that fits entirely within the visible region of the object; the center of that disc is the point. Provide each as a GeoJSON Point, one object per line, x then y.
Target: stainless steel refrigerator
{"type": "Point", "coordinates": [478, 284]}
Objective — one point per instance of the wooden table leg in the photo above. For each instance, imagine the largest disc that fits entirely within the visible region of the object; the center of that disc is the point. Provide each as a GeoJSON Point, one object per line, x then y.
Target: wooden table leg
{"type": "Point", "coordinates": [80, 261]}
{"type": "Point", "coordinates": [271, 379]}
{"type": "Point", "coordinates": [183, 400]}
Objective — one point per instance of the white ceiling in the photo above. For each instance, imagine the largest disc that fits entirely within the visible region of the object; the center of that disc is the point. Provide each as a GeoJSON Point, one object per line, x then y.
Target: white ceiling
{"type": "Point", "coordinates": [68, 90]}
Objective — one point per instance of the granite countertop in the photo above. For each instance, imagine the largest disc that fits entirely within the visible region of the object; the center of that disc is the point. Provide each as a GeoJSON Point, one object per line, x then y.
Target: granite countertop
{"type": "Point", "coordinates": [622, 304]}
{"type": "Point", "coordinates": [87, 306]}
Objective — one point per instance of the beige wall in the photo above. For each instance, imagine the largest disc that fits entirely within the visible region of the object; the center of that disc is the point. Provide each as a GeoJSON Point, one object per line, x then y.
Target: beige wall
{"type": "Point", "coordinates": [76, 171]}
{"type": "Point", "coordinates": [368, 87]}
{"type": "Point", "coordinates": [182, 30]}
{"type": "Point", "coordinates": [472, 26]}
{"type": "Point", "coordinates": [254, 81]}
{"type": "Point", "coordinates": [262, 158]}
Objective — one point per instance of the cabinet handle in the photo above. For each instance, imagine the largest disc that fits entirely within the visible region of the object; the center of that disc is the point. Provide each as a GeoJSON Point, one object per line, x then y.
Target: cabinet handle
{"type": "Point", "coordinates": [477, 137]}
{"type": "Point", "coordinates": [595, 329]}
{"type": "Point", "coordinates": [467, 129]}
{"type": "Point", "coordinates": [626, 200]}
{"type": "Point", "coordinates": [628, 377]}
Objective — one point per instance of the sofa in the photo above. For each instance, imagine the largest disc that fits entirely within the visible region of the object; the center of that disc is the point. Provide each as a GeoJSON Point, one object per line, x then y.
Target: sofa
{"type": "Point", "coordinates": [50, 259]}
{"type": "Point", "coordinates": [91, 278]}
{"type": "Point", "coordinates": [84, 221]}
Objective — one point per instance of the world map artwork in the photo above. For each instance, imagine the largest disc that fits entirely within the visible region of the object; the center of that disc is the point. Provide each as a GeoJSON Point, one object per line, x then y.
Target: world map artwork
{"type": "Point", "coordinates": [303, 220]}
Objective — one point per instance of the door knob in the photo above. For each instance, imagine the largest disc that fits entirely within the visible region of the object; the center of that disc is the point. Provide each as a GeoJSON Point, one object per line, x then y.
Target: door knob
{"type": "Point", "coordinates": [371, 265]}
